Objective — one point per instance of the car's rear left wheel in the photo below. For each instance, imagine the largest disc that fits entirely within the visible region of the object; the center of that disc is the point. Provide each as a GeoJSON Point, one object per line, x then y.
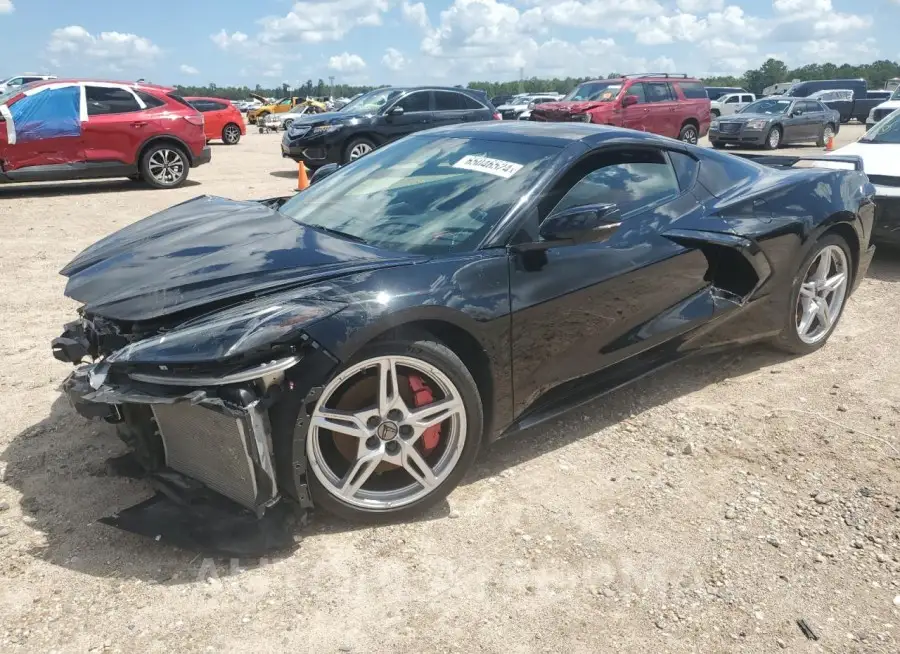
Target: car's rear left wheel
{"type": "Point", "coordinates": [689, 134]}
{"type": "Point", "coordinates": [164, 166]}
{"type": "Point", "coordinates": [818, 296]}
{"type": "Point", "coordinates": [393, 432]}
{"type": "Point", "coordinates": [231, 134]}
{"type": "Point", "coordinates": [827, 133]}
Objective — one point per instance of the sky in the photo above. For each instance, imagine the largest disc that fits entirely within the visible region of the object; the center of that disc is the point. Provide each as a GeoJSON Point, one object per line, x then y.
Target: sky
{"type": "Point", "coordinates": [270, 42]}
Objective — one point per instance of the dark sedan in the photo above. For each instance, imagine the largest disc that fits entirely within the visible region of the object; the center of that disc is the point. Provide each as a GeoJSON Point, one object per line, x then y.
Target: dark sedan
{"type": "Point", "coordinates": [773, 122]}
{"type": "Point", "coordinates": [379, 117]}
{"type": "Point", "coordinates": [354, 346]}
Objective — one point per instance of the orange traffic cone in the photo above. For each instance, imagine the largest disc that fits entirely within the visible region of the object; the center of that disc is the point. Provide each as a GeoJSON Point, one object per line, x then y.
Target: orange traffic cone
{"type": "Point", "coordinates": [829, 144]}
{"type": "Point", "coordinates": [302, 177]}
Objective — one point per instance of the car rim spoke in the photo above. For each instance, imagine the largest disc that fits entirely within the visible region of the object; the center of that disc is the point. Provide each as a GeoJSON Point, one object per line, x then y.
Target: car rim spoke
{"type": "Point", "coordinates": [341, 422]}
{"type": "Point", "coordinates": [359, 473]}
{"type": "Point", "coordinates": [375, 456]}
{"type": "Point", "coordinates": [822, 294]}
{"type": "Point", "coordinates": [418, 468]}
{"type": "Point", "coordinates": [435, 414]}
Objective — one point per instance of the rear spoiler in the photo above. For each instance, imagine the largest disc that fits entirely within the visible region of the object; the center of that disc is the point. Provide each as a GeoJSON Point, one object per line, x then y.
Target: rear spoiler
{"type": "Point", "coordinates": [840, 162]}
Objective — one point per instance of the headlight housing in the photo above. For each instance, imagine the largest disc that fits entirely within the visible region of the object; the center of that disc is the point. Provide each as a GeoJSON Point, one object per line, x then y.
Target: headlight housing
{"type": "Point", "coordinates": [254, 325]}
{"type": "Point", "coordinates": [757, 124]}
{"type": "Point", "coordinates": [325, 129]}
{"type": "Point", "coordinates": [714, 124]}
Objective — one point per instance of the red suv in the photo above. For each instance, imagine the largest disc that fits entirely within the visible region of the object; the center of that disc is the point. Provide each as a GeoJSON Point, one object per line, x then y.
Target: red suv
{"type": "Point", "coordinates": [223, 120]}
{"type": "Point", "coordinates": [671, 105]}
{"type": "Point", "coordinates": [57, 130]}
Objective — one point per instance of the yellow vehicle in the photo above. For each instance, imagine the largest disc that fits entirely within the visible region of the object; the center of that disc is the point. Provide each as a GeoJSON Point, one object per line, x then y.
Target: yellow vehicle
{"type": "Point", "coordinates": [281, 106]}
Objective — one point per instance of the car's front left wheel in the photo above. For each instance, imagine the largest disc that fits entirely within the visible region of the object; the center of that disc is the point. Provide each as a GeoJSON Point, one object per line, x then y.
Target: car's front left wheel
{"type": "Point", "coordinates": [393, 432]}
{"type": "Point", "coordinates": [818, 295]}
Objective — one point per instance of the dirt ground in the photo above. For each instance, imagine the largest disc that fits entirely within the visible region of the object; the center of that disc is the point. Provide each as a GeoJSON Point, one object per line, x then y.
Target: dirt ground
{"type": "Point", "coordinates": [705, 509]}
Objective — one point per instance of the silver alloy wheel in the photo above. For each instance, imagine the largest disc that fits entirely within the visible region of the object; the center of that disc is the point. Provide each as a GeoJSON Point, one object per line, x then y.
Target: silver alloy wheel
{"type": "Point", "coordinates": [359, 150]}
{"type": "Point", "coordinates": [828, 133]}
{"type": "Point", "coordinates": [232, 134]}
{"type": "Point", "coordinates": [822, 294]}
{"type": "Point", "coordinates": [774, 138]}
{"type": "Point", "coordinates": [690, 136]}
{"type": "Point", "coordinates": [166, 166]}
{"type": "Point", "coordinates": [386, 435]}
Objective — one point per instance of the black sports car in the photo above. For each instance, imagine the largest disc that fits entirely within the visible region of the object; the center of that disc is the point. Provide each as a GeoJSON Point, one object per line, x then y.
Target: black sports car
{"type": "Point", "coordinates": [355, 345]}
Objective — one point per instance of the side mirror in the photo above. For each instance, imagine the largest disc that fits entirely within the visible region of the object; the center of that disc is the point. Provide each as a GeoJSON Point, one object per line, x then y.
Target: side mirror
{"type": "Point", "coordinates": [589, 223]}
{"type": "Point", "coordinates": [629, 100]}
{"type": "Point", "coordinates": [321, 173]}
{"type": "Point", "coordinates": [396, 110]}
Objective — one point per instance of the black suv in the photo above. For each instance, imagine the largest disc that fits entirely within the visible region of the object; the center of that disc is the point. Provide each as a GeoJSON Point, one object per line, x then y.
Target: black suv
{"type": "Point", "coordinates": [378, 117]}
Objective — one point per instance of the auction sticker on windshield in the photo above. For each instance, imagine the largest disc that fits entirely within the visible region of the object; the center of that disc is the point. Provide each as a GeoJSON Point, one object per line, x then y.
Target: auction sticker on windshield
{"type": "Point", "coordinates": [498, 167]}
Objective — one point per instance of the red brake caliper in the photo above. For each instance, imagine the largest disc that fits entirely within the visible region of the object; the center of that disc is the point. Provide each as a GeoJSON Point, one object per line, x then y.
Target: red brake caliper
{"type": "Point", "coordinates": [422, 395]}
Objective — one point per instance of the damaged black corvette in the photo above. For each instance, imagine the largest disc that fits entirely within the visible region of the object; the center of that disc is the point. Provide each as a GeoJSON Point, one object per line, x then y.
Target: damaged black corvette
{"type": "Point", "coordinates": [352, 347]}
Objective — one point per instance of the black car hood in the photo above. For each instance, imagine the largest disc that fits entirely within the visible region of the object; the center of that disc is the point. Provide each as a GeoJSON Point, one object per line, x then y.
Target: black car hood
{"type": "Point", "coordinates": [743, 118]}
{"type": "Point", "coordinates": [207, 250]}
{"type": "Point", "coordinates": [331, 117]}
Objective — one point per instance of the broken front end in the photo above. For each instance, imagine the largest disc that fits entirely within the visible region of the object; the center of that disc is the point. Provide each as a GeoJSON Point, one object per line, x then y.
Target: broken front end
{"type": "Point", "coordinates": [213, 411]}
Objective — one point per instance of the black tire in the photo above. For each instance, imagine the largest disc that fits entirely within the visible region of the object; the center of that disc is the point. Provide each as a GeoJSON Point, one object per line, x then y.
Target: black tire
{"type": "Point", "coordinates": [768, 144]}
{"type": "Point", "coordinates": [714, 113]}
{"type": "Point", "coordinates": [689, 134]}
{"type": "Point", "coordinates": [718, 145]}
{"type": "Point", "coordinates": [821, 141]}
{"type": "Point", "coordinates": [287, 124]}
{"type": "Point", "coordinates": [788, 340]}
{"type": "Point", "coordinates": [439, 355]}
{"type": "Point", "coordinates": [356, 143]}
{"type": "Point", "coordinates": [164, 152]}
{"type": "Point", "coordinates": [231, 134]}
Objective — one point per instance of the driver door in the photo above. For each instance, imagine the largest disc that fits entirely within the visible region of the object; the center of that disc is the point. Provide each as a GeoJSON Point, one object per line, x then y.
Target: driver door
{"type": "Point", "coordinates": [417, 115]}
{"type": "Point", "coordinates": [581, 308]}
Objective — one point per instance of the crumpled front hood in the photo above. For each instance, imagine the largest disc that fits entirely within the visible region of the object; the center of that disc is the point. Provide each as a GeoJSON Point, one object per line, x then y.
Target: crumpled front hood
{"type": "Point", "coordinates": [207, 250]}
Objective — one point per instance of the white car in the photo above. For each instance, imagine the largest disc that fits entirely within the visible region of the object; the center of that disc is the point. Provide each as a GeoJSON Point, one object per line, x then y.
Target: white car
{"type": "Point", "coordinates": [519, 104]}
{"type": "Point", "coordinates": [879, 149]}
{"type": "Point", "coordinates": [285, 119]}
{"type": "Point", "coordinates": [730, 103]}
{"type": "Point", "coordinates": [19, 80]}
{"type": "Point", "coordinates": [882, 110]}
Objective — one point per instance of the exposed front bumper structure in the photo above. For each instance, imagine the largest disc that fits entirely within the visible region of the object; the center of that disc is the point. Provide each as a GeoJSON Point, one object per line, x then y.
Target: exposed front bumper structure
{"type": "Point", "coordinates": [208, 445]}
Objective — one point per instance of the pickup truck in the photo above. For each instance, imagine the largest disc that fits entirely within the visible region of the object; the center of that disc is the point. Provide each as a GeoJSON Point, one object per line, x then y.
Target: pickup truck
{"type": "Point", "coordinates": [884, 109]}
{"type": "Point", "coordinates": [842, 101]}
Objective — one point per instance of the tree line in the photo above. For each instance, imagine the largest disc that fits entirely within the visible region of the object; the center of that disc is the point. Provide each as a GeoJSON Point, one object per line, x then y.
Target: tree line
{"type": "Point", "coordinates": [771, 72]}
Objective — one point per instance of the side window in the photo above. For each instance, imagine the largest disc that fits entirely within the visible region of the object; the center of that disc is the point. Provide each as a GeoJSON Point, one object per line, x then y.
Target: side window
{"type": "Point", "coordinates": [686, 169]}
{"type": "Point", "coordinates": [28, 80]}
{"type": "Point", "coordinates": [446, 101]}
{"type": "Point", "coordinates": [820, 107]}
{"type": "Point", "coordinates": [632, 180]}
{"type": "Point", "coordinates": [810, 107]}
{"type": "Point", "coordinates": [151, 101]}
{"type": "Point", "coordinates": [285, 101]}
{"type": "Point", "coordinates": [105, 100]}
{"type": "Point", "coordinates": [216, 106]}
{"type": "Point", "coordinates": [417, 101]}
{"type": "Point", "coordinates": [692, 90]}
{"type": "Point", "coordinates": [746, 98]}
{"type": "Point", "coordinates": [16, 81]}
{"type": "Point", "coordinates": [470, 102]}
{"type": "Point", "coordinates": [657, 91]}
{"type": "Point", "coordinates": [732, 99]}
{"type": "Point", "coordinates": [637, 90]}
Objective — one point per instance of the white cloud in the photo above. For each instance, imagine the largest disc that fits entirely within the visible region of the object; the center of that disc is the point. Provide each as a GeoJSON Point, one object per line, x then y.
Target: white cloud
{"type": "Point", "coordinates": [188, 70]}
{"type": "Point", "coordinates": [393, 60]}
{"type": "Point", "coordinates": [699, 6]}
{"type": "Point", "coordinates": [6, 7]}
{"type": "Point", "coordinates": [274, 70]}
{"type": "Point", "coordinates": [226, 41]}
{"type": "Point", "coordinates": [347, 63]}
{"type": "Point", "coordinates": [320, 21]}
{"type": "Point", "coordinates": [113, 50]}
{"type": "Point", "coordinates": [418, 15]}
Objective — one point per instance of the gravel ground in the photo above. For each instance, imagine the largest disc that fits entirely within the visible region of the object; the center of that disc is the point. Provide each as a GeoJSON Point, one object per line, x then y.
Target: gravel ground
{"type": "Point", "coordinates": [705, 509]}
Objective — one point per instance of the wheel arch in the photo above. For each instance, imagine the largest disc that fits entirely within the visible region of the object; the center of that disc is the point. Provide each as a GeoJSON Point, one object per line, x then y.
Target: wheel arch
{"type": "Point", "coordinates": [842, 224]}
{"type": "Point", "coordinates": [164, 138]}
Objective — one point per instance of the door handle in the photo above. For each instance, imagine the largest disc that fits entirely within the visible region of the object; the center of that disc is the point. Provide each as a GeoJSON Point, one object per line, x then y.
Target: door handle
{"type": "Point", "coordinates": [139, 123]}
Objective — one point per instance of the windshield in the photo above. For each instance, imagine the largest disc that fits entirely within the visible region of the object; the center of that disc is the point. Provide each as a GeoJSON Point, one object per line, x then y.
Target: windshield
{"type": "Point", "coordinates": [896, 95]}
{"type": "Point", "coordinates": [769, 107]}
{"type": "Point", "coordinates": [886, 131]}
{"type": "Point", "coordinates": [371, 101]}
{"type": "Point", "coordinates": [424, 195]}
{"type": "Point", "coordinates": [595, 92]}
